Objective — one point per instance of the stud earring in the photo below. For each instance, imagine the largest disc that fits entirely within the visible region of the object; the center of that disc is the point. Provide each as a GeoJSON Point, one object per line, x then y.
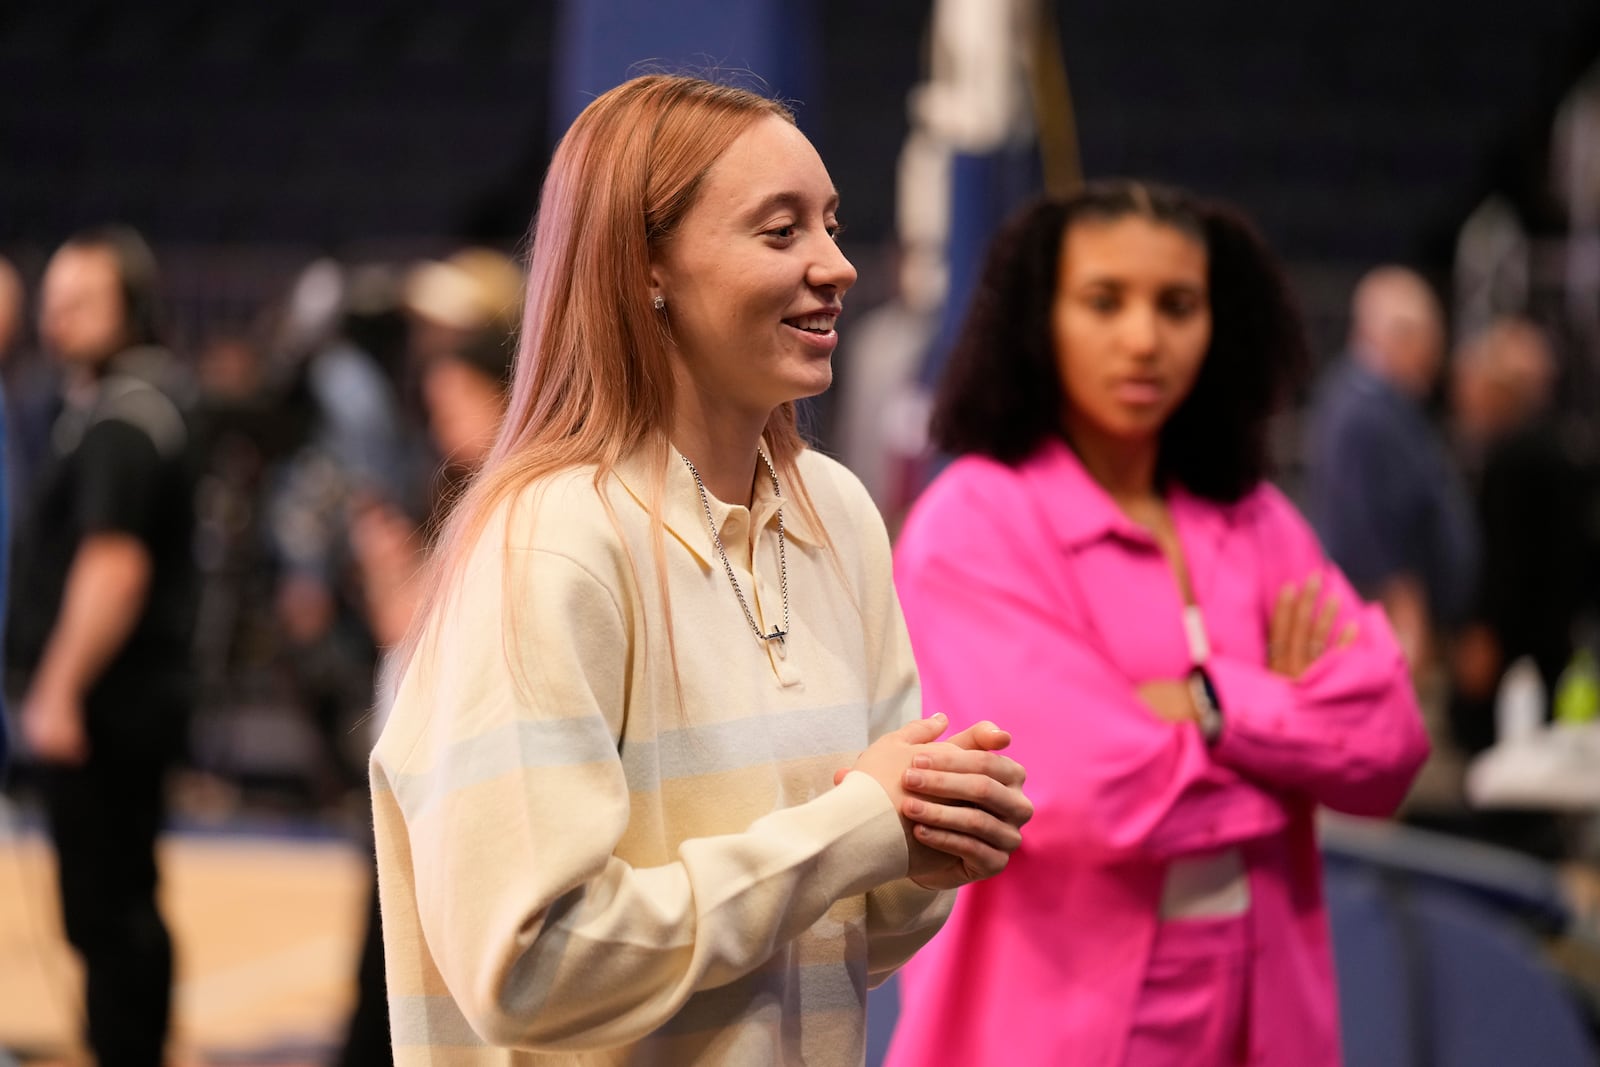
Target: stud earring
{"type": "Point", "coordinates": [659, 302]}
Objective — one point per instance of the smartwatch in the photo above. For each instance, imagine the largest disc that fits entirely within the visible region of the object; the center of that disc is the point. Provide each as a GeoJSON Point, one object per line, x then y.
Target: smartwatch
{"type": "Point", "coordinates": [1204, 695]}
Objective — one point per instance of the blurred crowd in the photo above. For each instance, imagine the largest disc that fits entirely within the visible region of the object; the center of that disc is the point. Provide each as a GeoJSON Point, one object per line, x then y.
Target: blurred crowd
{"type": "Point", "coordinates": [1445, 480]}
{"type": "Point", "coordinates": [324, 442]}
{"type": "Point", "coordinates": [214, 551]}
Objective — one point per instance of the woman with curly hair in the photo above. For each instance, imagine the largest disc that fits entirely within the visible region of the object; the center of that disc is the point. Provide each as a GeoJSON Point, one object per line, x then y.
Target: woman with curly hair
{"type": "Point", "coordinates": [1187, 676]}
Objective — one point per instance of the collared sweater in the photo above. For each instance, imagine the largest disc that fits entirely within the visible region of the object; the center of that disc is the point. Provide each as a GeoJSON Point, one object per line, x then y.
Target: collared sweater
{"type": "Point", "coordinates": [601, 842]}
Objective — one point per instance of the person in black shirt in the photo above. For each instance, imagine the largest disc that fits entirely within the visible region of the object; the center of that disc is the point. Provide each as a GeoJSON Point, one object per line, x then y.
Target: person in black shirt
{"type": "Point", "coordinates": [101, 622]}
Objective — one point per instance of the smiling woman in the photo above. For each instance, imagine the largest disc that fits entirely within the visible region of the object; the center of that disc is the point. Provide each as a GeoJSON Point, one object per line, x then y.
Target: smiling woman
{"type": "Point", "coordinates": [655, 786]}
{"type": "Point", "coordinates": [751, 285]}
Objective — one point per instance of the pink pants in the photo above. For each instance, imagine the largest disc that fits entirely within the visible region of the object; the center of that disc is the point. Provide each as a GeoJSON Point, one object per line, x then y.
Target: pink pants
{"type": "Point", "coordinates": [1194, 1008]}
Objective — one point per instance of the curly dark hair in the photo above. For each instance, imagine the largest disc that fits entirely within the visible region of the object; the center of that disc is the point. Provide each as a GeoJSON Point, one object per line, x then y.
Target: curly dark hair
{"type": "Point", "coordinates": [1000, 395]}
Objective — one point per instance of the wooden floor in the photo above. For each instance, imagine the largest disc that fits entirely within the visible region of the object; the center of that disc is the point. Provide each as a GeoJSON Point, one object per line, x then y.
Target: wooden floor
{"type": "Point", "coordinates": [266, 931]}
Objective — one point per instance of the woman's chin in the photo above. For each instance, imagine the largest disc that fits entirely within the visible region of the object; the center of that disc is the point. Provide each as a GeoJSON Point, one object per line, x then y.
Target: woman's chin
{"type": "Point", "coordinates": [814, 382]}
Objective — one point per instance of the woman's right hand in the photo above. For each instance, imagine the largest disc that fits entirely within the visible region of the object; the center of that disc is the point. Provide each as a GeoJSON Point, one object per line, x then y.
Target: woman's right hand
{"type": "Point", "coordinates": [1298, 636]}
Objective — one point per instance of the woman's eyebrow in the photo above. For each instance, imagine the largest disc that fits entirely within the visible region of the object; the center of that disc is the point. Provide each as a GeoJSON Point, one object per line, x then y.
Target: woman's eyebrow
{"type": "Point", "coordinates": [793, 201]}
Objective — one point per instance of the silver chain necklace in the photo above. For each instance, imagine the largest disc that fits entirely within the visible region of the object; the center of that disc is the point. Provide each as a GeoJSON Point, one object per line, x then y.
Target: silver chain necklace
{"type": "Point", "coordinates": [722, 553]}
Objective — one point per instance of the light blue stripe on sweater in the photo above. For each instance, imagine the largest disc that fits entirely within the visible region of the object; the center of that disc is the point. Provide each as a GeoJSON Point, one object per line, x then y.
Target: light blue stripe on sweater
{"type": "Point", "coordinates": [707, 748]}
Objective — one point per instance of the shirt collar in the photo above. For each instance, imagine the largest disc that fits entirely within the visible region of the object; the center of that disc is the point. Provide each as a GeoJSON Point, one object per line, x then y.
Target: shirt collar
{"type": "Point", "coordinates": [1075, 506]}
{"type": "Point", "coordinates": [1079, 510]}
{"type": "Point", "coordinates": [684, 514]}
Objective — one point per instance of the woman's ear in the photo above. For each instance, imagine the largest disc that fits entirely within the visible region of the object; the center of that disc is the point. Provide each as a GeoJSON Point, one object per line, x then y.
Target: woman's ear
{"type": "Point", "coordinates": [656, 294]}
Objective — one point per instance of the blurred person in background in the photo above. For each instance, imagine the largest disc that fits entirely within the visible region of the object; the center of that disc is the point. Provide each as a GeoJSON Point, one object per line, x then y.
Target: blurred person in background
{"type": "Point", "coordinates": [345, 335]}
{"type": "Point", "coordinates": [466, 315]}
{"type": "Point", "coordinates": [1192, 679]}
{"type": "Point", "coordinates": [243, 434]}
{"type": "Point", "coordinates": [1536, 580]}
{"type": "Point", "coordinates": [101, 623]}
{"type": "Point", "coordinates": [31, 388]}
{"type": "Point", "coordinates": [614, 812]}
{"type": "Point", "coordinates": [881, 410]}
{"type": "Point", "coordinates": [1533, 503]}
{"type": "Point", "coordinates": [1381, 488]}
{"type": "Point", "coordinates": [448, 302]}
{"type": "Point", "coordinates": [463, 312]}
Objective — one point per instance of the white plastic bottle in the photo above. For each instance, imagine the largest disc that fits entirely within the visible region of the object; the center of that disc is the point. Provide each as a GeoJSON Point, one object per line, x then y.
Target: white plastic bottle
{"type": "Point", "coordinates": [1519, 704]}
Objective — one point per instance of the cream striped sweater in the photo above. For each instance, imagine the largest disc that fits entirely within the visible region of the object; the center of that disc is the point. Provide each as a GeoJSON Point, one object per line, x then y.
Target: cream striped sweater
{"type": "Point", "coordinates": [574, 870]}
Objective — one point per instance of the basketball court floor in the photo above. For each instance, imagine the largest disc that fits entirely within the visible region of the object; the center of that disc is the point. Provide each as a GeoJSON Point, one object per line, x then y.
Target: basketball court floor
{"type": "Point", "coordinates": [267, 923]}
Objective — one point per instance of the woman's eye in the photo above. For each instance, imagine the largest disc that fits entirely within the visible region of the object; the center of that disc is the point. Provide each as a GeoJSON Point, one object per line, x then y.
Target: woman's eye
{"type": "Point", "coordinates": [1102, 302]}
{"type": "Point", "coordinates": [783, 233]}
{"type": "Point", "coordinates": [835, 230]}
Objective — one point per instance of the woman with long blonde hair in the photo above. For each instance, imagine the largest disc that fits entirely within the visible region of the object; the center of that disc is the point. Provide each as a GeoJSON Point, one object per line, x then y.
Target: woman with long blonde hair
{"type": "Point", "coordinates": [654, 787]}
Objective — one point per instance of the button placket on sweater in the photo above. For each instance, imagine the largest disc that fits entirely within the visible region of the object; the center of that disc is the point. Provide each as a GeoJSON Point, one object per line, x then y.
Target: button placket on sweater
{"type": "Point", "coordinates": [752, 545]}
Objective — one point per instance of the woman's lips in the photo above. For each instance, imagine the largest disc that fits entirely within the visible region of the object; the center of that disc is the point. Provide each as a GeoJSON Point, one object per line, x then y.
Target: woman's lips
{"type": "Point", "coordinates": [814, 339]}
{"type": "Point", "coordinates": [1136, 392]}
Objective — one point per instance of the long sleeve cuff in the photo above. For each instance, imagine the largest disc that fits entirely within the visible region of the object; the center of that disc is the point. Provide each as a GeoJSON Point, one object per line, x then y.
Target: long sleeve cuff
{"type": "Point", "coordinates": [1256, 705]}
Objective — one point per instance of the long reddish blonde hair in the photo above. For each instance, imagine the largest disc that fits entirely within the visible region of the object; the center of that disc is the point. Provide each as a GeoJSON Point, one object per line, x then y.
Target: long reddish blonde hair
{"type": "Point", "coordinates": [592, 381]}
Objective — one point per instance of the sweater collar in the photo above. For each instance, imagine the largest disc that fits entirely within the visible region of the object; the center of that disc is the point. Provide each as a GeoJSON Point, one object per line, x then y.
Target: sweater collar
{"type": "Point", "coordinates": [683, 513]}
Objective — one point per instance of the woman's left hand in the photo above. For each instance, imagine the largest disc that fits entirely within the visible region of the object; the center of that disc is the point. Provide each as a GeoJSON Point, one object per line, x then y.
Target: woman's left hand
{"type": "Point", "coordinates": [972, 808]}
{"type": "Point", "coordinates": [975, 808]}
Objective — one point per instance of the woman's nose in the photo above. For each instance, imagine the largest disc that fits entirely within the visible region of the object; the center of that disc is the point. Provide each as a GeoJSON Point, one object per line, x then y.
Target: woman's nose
{"type": "Point", "coordinates": [831, 270]}
{"type": "Point", "coordinates": [1139, 330]}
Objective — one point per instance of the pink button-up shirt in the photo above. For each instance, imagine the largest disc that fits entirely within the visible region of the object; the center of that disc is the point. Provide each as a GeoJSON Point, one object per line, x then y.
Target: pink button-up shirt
{"type": "Point", "coordinates": [1032, 600]}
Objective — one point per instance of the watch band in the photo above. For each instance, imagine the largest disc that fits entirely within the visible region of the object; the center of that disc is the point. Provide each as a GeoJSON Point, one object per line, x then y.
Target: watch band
{"type": "Point", "coordinates": [1204, 695]}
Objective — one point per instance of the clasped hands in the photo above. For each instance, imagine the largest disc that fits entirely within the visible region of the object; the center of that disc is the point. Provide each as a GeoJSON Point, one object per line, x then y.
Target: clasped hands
{"type": "Point", "coordinates": [961, 804]}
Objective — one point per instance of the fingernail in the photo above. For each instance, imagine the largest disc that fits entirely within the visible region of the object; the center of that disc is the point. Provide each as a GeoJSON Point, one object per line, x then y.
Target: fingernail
{"type": "Point", "coordinates": [922, 761]}
{"type": "Point", "coordinates": [916, 807]}
{"type": "Point", "coordinates": [913, 779]}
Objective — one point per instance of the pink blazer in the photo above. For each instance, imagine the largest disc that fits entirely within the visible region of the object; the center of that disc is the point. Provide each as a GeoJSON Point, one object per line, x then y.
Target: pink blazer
{"type": "Point", "coordinates": [1033, 601]}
